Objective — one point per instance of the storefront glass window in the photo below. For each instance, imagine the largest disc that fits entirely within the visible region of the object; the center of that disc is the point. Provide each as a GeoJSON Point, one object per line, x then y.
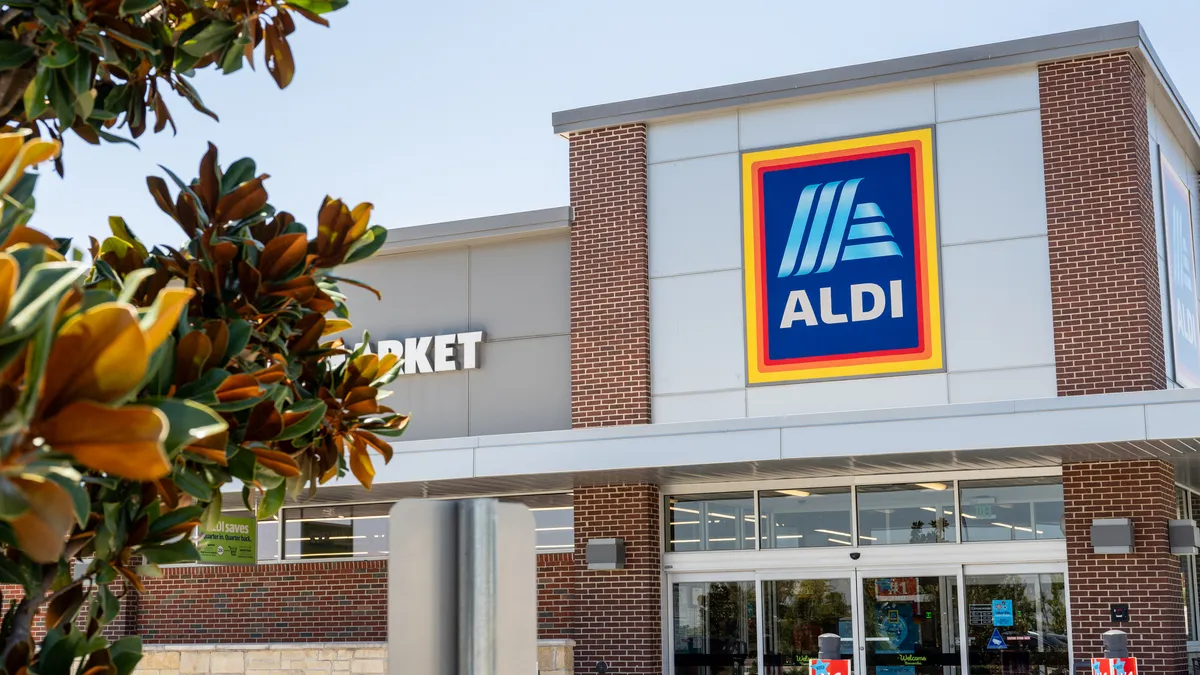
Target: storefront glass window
{"type": "Point", "coordinates": [325, 532]}
{"type": "Point", "coordinates": [804, 518]}
{"type": "Point", "coordinates": [919, 513]}
{"type": "Point", "coordinates": [714, 522]}
{"type": "Point", "coordinates": [714, 629]}
{"type": "Point", "coordinates": [1012, 509]}
{"type": "Point", "coordinates": [795, 613]}
{"type": "Point", "coordinates": [553, 518]}
{"type": "Point", "coordinates": [1027, 614]}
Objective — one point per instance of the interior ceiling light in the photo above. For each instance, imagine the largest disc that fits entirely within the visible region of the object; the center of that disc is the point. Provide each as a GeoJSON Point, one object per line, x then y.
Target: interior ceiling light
{"type": "Point", "coordinates": [933, 486]}
{"type": "Point", "coordinates": [795, 493]}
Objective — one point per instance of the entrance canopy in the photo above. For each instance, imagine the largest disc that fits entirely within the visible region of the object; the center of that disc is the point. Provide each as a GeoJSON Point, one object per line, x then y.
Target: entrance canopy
{"type": "Point", "coordinates": [1005, 434]}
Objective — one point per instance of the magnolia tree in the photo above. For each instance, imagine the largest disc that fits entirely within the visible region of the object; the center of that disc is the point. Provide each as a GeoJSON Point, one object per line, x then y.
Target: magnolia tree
{"type": "Point", "coordinates": [135, 385]}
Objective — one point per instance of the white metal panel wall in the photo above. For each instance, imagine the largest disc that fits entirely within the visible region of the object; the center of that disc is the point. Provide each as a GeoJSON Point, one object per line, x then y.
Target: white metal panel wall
{"type": "Point", "coordinates": [517, 292]}
{"type": "Point", "coordinates": [992, 220]}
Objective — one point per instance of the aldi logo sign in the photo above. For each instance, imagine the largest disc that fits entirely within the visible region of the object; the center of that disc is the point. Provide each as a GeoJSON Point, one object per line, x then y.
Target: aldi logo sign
{"type": "Point", "coordinates": [840, 243]}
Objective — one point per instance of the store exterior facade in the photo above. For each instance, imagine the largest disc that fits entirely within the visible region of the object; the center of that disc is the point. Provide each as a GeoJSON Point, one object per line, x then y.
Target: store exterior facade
{"type": "Point", "coordinates": [872, 351]}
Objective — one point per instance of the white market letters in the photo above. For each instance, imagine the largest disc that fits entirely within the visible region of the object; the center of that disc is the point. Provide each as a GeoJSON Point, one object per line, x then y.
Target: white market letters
{"type": "Point", "coordinates": [434, 353]}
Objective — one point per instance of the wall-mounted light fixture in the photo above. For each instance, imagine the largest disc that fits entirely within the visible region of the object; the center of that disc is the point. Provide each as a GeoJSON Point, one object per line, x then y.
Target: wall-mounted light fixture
{"type": "Point", "coordinates": [1112, 535]}
{"type": "Point", "coordinates": [606, 554]}
{"type": "Point", "coordinates": [1184, 537]}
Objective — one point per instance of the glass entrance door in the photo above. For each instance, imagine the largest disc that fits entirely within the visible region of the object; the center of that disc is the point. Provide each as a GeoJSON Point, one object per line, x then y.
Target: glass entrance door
{"type": "Point", "coordinates": [910, 625]}
{"type": "Point", "coordinates": [892, 621]}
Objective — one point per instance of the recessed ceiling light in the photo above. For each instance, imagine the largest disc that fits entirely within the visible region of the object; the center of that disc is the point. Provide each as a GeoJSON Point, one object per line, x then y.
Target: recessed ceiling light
{"type": "Point", "coordinates": [795, 493]}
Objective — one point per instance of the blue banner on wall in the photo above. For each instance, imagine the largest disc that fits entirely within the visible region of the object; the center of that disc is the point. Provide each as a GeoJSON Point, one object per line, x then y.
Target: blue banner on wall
{"type": "Point", "coordinates": [1181, 267]}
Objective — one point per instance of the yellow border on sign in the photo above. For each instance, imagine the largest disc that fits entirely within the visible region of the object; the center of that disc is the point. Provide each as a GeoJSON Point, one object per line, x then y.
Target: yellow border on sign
{"type": "Point", "coordinates": [933, 321]}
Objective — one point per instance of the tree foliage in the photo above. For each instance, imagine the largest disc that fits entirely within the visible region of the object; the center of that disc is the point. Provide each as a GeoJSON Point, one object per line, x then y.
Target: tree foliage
{"type": "Point", "coordinates": [95, 66]}
{"type": "Point", "coordinates": [133, 387]}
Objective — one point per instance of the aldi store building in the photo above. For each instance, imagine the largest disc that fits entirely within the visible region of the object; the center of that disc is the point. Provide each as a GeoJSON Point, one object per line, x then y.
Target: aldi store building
{"type": "Point", "coordinates": [904, 352]}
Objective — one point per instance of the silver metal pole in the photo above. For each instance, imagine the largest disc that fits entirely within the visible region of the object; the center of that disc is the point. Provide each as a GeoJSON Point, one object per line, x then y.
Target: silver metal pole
{"type": "Point", "coordinates": [477, 519]}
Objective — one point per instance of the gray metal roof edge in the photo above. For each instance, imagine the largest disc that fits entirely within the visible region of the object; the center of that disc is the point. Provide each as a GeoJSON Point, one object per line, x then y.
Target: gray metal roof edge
{"type": "Point", "coordinates": [1001, 54]}
{"type": "Point", "coordinates": [1168, 85]}
{"type": "Point", "coordinates": [488, 227]}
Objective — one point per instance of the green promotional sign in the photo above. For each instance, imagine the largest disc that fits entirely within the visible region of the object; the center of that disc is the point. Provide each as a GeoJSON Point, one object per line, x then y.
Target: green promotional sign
{"type": "Point", "coordinates": [232, 541]}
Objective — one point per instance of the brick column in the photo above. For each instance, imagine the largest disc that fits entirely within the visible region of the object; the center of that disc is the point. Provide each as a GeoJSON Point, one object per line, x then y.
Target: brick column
{"type": "Point", "coordinates": [1100, 214]}
{"type": "Point", "coordinates": [1148, 579]}
{"type": "Point", "coordinates": [610, 282]}
{"type": "Point", "coordinates": [618, 613]}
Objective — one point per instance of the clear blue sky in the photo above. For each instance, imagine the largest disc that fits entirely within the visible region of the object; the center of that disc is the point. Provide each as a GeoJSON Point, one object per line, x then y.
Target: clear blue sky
{"type": "Point", "coordinates": [438, 111]}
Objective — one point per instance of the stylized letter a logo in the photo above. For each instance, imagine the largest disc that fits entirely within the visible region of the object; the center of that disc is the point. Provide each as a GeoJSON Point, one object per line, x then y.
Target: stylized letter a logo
{"type": "Point", "coordinates": [869, 225]}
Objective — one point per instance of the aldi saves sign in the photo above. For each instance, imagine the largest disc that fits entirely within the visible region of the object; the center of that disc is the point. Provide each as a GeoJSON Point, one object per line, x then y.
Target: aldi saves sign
{"type": "Point", "coordinates": [840, 243]}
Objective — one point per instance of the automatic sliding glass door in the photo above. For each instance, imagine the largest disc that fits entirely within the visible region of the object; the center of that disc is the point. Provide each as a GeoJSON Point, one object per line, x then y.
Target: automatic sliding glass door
{"type": "Point", "coordinates": [796, 612]}
{"type": "Point", "coordinates": [714, 628]}
{"type": "Point", "coordinates": [910, 625]}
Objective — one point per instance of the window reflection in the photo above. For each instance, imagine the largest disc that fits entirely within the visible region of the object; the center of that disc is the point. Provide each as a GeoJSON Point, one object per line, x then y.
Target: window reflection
{"type": "Point", "coordinates": [917, 513]}
{"type": "Point", "coordinates": [714, 631]}
{"type": "Point", "coordinates": [715, 522]}
{"type": "Point", "coordinates": [804, 518]}
{"type": "Point", "coordinates": [1034, 633]}
{"type": "Point", "coordinates": [1012, 509]}
{"type": "Point", "coordinates": [796, 613]}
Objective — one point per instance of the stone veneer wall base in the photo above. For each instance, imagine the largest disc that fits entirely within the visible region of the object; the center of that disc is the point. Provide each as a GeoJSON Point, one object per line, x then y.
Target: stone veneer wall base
{"type": "Point", "coordinates": [555, 657]}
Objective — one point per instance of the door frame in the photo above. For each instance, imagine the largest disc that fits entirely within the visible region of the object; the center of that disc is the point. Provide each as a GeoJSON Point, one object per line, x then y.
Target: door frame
{"type": "Point", "coordinates": [855, 575]}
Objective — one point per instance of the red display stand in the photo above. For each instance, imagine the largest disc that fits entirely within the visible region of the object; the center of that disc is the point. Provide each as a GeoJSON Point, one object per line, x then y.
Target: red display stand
{"type": "Point", "coordinates": [1114, 666]}
{"type": "Point", "coordinates": [829, 667]}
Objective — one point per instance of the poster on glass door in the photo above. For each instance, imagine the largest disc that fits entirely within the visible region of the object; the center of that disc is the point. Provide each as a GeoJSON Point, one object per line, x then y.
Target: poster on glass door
{"type": "Point", "coordinates": [1181, 268]}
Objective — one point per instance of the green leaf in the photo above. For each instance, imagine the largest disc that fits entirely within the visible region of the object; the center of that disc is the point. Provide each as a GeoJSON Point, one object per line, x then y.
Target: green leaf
{"type": "Point", "coordinates": [108, 604]}
{"type": "Point", "coordinates": [319, 6]}
{"type": "Point", "coordinates": [188, 422]}
{"type": "Point", "coordinates": [129, 7]}
{"type": "Point", "coordinates": [11, 573]}
{"type": "Point", "coordinates": [113, 138]}
{"type": "Point", "coordinates": [61, 55]}
{"type": "Point", "coordinates": [57, 652]}
{"type": "Point", "coordinates": [161, 370]}
{"type": "Point", "coordinates": [367, 245]}
{"type": "Point", "coordinates": [209, 38]}
{"type": "Point", "coordinates": [37, 294]}
{"type": "Point", "coordinates": [68, 479]}
{"type": "Point", "coordinates": [12, 501]}
{"type": "Point", "coordinates": [239, 337]}
{"type": "Point", "coordinates": [132, 282]}
{"type": "Point", "coordinates": [119, 228]}
{"type": "Point", "coordinates": [239, 172]}
{"type": "Point", "coordinates": [126, 653]}
{"type": "Point", "coordinates": [174, 518]}
{"type": "Point", "coordinates": [316, 413]}
{"type": "Point", "coordinates": [14, 54]}
{"type": "Point", "coordinates": [192, 484]}
{"type": "Point", "coordinates": [212, 512]}
{"type": "Point", "coordinates": [205, 384]}
{"type": "Point", "coordinates": [177, 551]}
{"type": "Point", "coordinates": [272, 501]}
{"type": "Point", "coordinates": [35, 362]}
{"type": "Point", "coordinates": [36, 92]}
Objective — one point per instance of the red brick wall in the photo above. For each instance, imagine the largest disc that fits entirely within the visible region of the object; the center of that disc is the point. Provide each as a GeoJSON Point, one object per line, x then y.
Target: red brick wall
{"type": "Point", "coordinates": [556, 594]}
{"type": "Point", "coordinates": [300, 602]}
{"type": "Point", "coordinates": [295, 602]}
{"type": "Point", "coordinates": [1100, 213]}
{"type": "Point", "coordinates": [618, 613]}
{"type": "Point", "coordinates": [610, 286]}
{"type": "Point", "coordinates": [1148, 579]}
